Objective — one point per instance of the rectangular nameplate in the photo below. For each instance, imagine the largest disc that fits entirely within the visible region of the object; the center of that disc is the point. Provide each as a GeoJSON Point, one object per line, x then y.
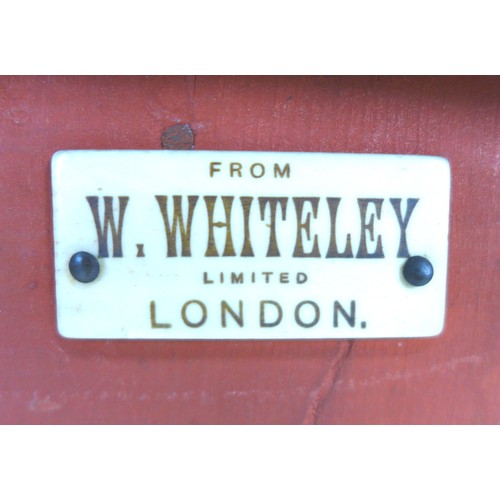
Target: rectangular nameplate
{"type": "Point", "coordinates": [248, 245]}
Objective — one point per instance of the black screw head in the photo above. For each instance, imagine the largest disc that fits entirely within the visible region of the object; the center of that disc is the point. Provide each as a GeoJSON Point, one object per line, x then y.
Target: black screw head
{"type": "Point", "coordinates": [418, 271]}
{"type": "Point", "coordinates": [84, 267]}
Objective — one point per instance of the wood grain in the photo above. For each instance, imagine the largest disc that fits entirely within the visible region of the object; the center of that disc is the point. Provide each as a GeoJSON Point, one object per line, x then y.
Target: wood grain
{"type": "Point", "coordinates": [454, 378]}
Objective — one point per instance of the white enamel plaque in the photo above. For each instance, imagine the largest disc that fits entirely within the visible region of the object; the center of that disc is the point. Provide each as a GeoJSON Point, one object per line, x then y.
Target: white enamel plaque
{"type": "Point", "coordinates": [248, 245]}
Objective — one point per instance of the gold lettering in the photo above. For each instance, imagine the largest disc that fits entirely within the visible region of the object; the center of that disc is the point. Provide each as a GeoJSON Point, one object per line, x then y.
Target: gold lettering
{"type": "Point", "coordinates": [362, 250]}
{"type": "Point", "coordinates": [207, 281]}
{"type": "Point", "coordinates": [262, 170]}
{"type": "Point", "coordinates": [273, 250]}
{"type": "Point", "coordinates": [350, 318]}
{"type": "Point", "coordinates": [152, 314]}
{"type": "Point", "coordinates": [213, 169]}
{"type": "Point", "coordinates": [203, 314]}
{"type": "Point", "coordinates": [277, 321]}
{"type": "Point", "coordinates": [236, 278]}
{"type": "Point", "coordinates": [284, 278]}
{"type": "Point", "coordinates": [316, 314]}
{"type": "Point", "coordinates": [235, 167]}
{"type": "Point", "coordinates": [305, 226]}
{"type": "Point", "coordinates": [333, 204]}
{"type": "Point", "coordinates": [285, 172]}
{"type": "Point", "coordinates": [301, 278]}
{"type": "Point", "coordinates": [171, 232]}
{"type": "Point", "coordinates": [102, 232]}
{"type": "Point", "coordinates": [211, 248]}
{"type": "Point", "coordinates": [246, 203]}
{"type": "Point", "coordinates": [403, 224]}
{"type": "Point", "coordinates": [225, 308]}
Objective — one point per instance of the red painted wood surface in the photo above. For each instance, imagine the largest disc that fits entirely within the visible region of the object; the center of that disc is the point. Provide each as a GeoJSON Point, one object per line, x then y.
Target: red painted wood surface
{"type": "Point", "coordinates": [454, 378]}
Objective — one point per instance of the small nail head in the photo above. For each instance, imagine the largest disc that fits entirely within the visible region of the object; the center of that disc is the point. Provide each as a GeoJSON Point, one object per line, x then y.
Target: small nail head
{"type": "Point", "coordinates": [84, 267]}
{"type": "Point", "coordinates": [178, 137]}
{"type": "Point", "coordinates": [418, 271]}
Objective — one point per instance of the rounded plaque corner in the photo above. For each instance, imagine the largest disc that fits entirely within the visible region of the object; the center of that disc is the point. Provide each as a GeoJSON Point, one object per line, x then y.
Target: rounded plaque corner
{"type": "Point", "coordinates": [445, 164]}
{"type": "Point", "coordinates": [61, 333]}
{"type": "Point", "coordinates": [440, 329]}
{"type": "Point", "coordinates": [58, 156]}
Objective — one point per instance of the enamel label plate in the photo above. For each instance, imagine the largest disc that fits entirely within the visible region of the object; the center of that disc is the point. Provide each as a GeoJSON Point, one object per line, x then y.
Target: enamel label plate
{"type": "Point", "coordinates": [249, 245]}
